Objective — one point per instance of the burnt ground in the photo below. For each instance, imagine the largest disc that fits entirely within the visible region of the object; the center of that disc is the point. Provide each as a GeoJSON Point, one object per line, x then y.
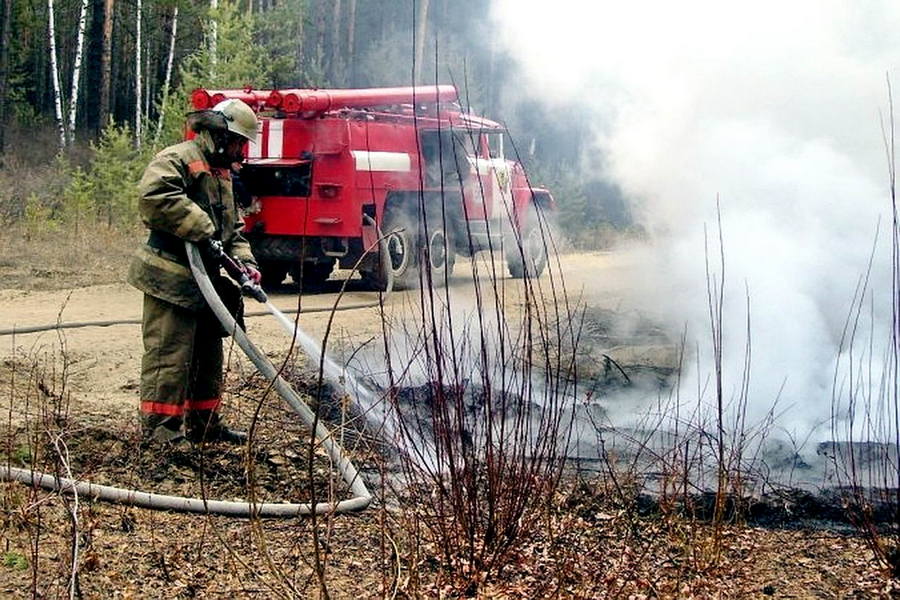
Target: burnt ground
{"type": "Point", "coordinates": [598, 538]}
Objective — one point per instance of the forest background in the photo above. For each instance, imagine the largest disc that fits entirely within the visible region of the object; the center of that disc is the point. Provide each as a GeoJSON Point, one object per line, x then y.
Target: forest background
{"type": "Point", "coordinates": [90, 89]}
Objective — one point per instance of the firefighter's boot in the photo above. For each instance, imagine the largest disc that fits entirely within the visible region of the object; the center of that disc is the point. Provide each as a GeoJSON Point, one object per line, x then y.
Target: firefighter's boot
{"type": "Point", "coordinates": [164, 429]}
{"type": "Point", "coordinates": [206, 426]}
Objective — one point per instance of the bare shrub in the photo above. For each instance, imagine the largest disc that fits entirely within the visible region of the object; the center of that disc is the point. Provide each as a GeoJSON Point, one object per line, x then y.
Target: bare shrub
{"type": "Point", "coordinates": [865, 405]}
{"type": "Point", "coordinates": [482, 407]}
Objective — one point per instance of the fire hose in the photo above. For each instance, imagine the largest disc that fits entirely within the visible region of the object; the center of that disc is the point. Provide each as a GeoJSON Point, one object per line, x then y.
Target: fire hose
{"type": "Point", "coordinates": [109, 323]}
{"type": "Point", "coordinates": [361, 495]}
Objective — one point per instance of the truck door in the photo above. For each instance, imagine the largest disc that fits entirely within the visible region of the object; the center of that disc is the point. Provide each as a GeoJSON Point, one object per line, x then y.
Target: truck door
{"type": "Point", "coordinates": [470, 153]}
{"type": "Point", "coordinates": [473, 162]}
{"type": "Point", "coordinates": [498, 178]}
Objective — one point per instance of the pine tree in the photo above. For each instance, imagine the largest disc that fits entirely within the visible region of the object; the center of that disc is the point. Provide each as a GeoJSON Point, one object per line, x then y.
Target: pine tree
{"type": "Point", "coordinates": [106, 62]}
{"type": "Point", "coordinates": [5, 27]}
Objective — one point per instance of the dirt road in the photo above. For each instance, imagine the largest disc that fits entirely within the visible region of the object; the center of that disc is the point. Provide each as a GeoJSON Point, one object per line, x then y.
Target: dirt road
{"type": "Point", "coordinates": [103, 362]}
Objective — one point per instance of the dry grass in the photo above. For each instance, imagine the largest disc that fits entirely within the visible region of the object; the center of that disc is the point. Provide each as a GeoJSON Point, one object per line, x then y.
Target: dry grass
{"type": "Point", "coordinates": [61, 259]}
{"type": "Point", "coordinates": [41, 247]}
{"type": "Point", "coordinates": [595, 541]}
{"type": "Point", "coordinates": [598, 550]}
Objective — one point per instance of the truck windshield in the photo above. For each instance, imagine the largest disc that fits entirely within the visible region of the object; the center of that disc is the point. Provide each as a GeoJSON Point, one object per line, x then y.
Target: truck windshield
{"type": "Point", "coordinates": [495, 145]}
{"type": "Point", "coordinates": [468, 141]}
{"type": "Point", "coordinates": [278, 180]}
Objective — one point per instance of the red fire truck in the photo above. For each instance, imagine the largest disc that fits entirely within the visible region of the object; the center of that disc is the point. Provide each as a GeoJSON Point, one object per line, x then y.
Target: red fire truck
{"type": "Point", "coordinates": [330, 168]}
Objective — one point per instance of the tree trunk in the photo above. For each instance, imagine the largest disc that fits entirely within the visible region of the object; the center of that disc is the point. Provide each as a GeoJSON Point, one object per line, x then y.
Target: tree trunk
{"type": "Point", "coordinates": [300, 54]}
{"type": "Point", "coordinates": [106, 62]}
{"type": "Point", "coordinates": [54, 68]}
{"type": "Point", "coordinates": [138, 81]}
{"type": "Point", "coordinates": [320, 35]}
{"type": "Point", "coordinates": [213, 36]}
{"type": "Point", "coordinates": [147, 80]}
{"type": "Point", "coordinates": [168, 78]}
{"type": "Point", "coordinates": [421, 30]}
{"type": "Point", "coordinates": [4, 71]}
{"type": "Point", "coordinates": [76, 71]}
{"type": "Point", "coordinates": [334, 66]}
{"type": "Point", "coordinates": [351, 41]}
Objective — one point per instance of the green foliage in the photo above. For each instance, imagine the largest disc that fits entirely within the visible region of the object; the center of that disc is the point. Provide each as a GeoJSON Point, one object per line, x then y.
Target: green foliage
{"type": "Point", "coordinates": [15, 560]}
{"type": "Point", "coordinates": [389, 62]}
{"type": "Point", "coordinates": [592, 214]}
{"type": "Point", "coordinates": [26, 45]}
{"type": "Point", "coordinates": [22, 454]}
{"type": "Point", "coordinates": [36, 197]}
{"type": "Point", "coordinates": [238, 62]}
{"type": "Point", "coordinates": [106, 190]}
{"type": "Point", "coordinates": [38, 216]}
{"type": "Point", "coordinates": [279, 34]}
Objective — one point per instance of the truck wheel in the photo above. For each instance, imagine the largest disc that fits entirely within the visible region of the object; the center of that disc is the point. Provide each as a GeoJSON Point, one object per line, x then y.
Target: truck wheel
{"type": "Point", "coordinates": [314, 274]}
{"type": "Point", "coordinates": [528, 256]}
{"type": "Point", "coordinates": [273, 273]}
{"type": "Point", "coordinates": [406, 243]}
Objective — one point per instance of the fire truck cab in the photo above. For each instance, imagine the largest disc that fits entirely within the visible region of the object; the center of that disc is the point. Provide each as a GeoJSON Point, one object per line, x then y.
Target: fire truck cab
{"type": "Point", "coordinates": [332, 171]}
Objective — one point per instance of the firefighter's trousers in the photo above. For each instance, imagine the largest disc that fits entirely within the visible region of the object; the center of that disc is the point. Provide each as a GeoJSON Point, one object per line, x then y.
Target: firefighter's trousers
{"type": "Point", "coordinates": [181, 370]}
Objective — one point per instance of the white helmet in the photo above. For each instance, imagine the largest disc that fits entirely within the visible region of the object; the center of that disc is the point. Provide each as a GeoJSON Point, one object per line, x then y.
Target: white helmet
{"type": "Point", "coordinates": [239, 118]}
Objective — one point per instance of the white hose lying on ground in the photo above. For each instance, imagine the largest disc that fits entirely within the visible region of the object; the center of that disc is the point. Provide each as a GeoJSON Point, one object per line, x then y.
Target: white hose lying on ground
{"type": "Point", "coordinates": [93, 491]}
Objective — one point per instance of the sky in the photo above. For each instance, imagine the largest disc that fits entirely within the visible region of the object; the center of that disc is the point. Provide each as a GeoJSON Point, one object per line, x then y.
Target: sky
{"type": "Point", "coordinates": [771, 111]}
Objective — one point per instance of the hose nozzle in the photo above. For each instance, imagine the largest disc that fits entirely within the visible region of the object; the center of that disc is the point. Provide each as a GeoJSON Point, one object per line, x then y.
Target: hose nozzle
{"type": "Point", "coordinates": [235, 269]}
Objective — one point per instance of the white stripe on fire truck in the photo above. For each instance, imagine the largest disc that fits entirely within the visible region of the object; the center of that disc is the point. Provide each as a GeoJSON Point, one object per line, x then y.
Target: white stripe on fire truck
{"type": "Point", "coordinates": [381, 161]}
{"type": "Point", "coordinates": [276, 138]}
{"type": "Point", "coordinates": [255, 150]}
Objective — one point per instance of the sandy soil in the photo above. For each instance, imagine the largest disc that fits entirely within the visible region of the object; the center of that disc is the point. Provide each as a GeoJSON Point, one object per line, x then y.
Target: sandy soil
{"type": "Point", "coordinates": [104, 362]}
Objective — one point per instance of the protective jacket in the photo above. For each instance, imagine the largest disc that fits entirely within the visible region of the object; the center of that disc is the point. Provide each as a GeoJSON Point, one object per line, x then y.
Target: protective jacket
{"type": "Point", "coordinates": [184, 198]}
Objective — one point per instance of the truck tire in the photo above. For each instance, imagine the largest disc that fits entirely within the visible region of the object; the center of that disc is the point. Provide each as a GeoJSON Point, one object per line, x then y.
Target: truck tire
{"type": "Point", "coordinates": [526, 256]}
{"type": "Point", "coordinates": [314, 274]}
{"type": "Point", "coordinates": [406, 242]}
{"type": "Point", "coordinates": [273, 273]}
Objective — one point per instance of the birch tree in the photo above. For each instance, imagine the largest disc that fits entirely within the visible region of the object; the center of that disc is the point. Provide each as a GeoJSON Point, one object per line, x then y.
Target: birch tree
{"type": "Point", "coordinates": [138, 84]}
{"type": "Point", "coordinates": [76, 71]}
{"type": "Point", "coordinates": [421, 30]}
{"type": "Point", "coordinates": [54, 68]}
{"type": "Point", "coordinates": [168, 77]}
{"type": "Point", "coordinates": [213, 34]}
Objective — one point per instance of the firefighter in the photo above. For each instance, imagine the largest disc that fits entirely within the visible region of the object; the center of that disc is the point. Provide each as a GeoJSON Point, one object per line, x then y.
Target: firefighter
{"type": "Point", "coordinates": [186, 194]}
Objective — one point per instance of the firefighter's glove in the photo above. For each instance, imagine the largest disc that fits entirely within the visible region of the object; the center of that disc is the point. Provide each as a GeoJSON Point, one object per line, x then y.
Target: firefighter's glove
{"type": "Point", "coordinates": [253, 273]}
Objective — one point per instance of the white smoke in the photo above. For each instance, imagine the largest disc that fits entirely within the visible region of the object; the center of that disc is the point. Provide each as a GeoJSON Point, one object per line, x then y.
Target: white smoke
{"type": "Point", "coordinates": [773, 107]}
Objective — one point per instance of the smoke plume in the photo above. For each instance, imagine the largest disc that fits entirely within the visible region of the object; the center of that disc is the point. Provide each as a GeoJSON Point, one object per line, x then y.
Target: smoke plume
{"type": "Point", "coordinates": [775, 109]}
